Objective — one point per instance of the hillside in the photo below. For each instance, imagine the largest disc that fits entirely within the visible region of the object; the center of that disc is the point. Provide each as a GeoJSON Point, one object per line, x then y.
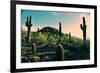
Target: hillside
{"type": "Point", "coordinates": [49, 30]}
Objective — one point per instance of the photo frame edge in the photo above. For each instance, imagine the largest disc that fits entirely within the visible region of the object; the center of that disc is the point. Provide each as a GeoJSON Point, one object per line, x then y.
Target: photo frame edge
{"type": "Point", "coordinates": [13, 37]}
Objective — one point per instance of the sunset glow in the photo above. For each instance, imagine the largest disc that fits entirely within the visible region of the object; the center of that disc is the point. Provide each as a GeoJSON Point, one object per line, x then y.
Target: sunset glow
{"type": "Point", "coordinates": [70, 21]}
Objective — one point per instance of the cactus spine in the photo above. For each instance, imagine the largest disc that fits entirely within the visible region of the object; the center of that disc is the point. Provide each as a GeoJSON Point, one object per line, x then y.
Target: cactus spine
{"type": "Point", "coordinates": [60, 31]}
{"type": "Point", "coordinates": [83, 28]}
{"type": "Point", "coordinates": [28, 25]}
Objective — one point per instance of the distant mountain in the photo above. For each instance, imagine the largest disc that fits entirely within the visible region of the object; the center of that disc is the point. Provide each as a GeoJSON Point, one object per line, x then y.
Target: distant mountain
{"type": "Point", "coordinates": [49, 30]}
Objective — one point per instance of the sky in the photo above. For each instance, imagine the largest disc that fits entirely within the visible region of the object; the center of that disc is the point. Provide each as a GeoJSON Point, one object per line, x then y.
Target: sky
{"type": "Point", "coordinates": [70, 21]}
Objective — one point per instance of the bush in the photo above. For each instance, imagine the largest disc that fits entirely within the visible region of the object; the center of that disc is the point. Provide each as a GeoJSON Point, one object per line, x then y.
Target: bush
{"type": "Point", "coordinates": [38, 36]}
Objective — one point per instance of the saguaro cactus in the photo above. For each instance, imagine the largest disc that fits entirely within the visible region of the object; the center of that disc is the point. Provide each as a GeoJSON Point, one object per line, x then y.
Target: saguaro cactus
{"type": "Point", "coordinates": [83, 28]}
{"type": "Point", "coordinates": [38, 29]}
{"type": "Point", "coordinates": [60, 52]}
{"type": "Point", "coordinates": [60, 31]}
{"type": "Point", "coordinates": [28, 25]}
{"type": "Point", "coordinates": [69, 35]}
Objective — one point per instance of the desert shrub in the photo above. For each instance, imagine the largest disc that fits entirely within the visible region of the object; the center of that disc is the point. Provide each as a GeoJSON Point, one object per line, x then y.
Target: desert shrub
{"type": "Point", "coordinates": [51, 39]}
{"type": "Point", "coordinates": [34, 59]}
{"type": "Point", "coordinates": [64, 38]}
{"type": "Point", "coordinates": [87, 46]}
{"type": "Point", "coordinates": [39, 37]}
{"type": "Point", "coordinates": [23, 37]}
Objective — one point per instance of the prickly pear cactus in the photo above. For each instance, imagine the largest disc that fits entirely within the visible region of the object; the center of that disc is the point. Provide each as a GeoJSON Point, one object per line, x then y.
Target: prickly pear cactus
{"type": "Point", "coordinates": [28, 25]}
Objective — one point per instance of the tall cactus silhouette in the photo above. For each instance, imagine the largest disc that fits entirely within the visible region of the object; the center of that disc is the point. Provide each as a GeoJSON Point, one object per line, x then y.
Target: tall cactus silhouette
{"type": "Point", "coordinates": [83, 28]}
{"type": "Point", "coordinates": [28, 25]}
{"type": "Point", "coordinates": [38, 29]}
{"type": "Point", "coordinates": [60, 31]}
{"type": "Point", "coordinates": [69, 35]}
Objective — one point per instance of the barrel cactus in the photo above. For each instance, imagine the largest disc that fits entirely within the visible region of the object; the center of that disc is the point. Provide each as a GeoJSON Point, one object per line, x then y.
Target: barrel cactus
{"type": "Point", "coordinates": [60, 52]}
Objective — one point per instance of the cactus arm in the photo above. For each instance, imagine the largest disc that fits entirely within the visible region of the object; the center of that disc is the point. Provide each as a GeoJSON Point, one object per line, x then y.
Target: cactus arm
{"type": "Point", "coordinates": [27, 22]}
{"type": "Point", "coordinates": [81, 26]}
{"type": "Point", "coordinates": [30, 21]}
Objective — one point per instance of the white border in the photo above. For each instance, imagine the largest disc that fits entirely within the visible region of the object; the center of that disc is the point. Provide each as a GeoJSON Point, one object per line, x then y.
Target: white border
{"type": "Point", "coordinates": [20, 65]}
